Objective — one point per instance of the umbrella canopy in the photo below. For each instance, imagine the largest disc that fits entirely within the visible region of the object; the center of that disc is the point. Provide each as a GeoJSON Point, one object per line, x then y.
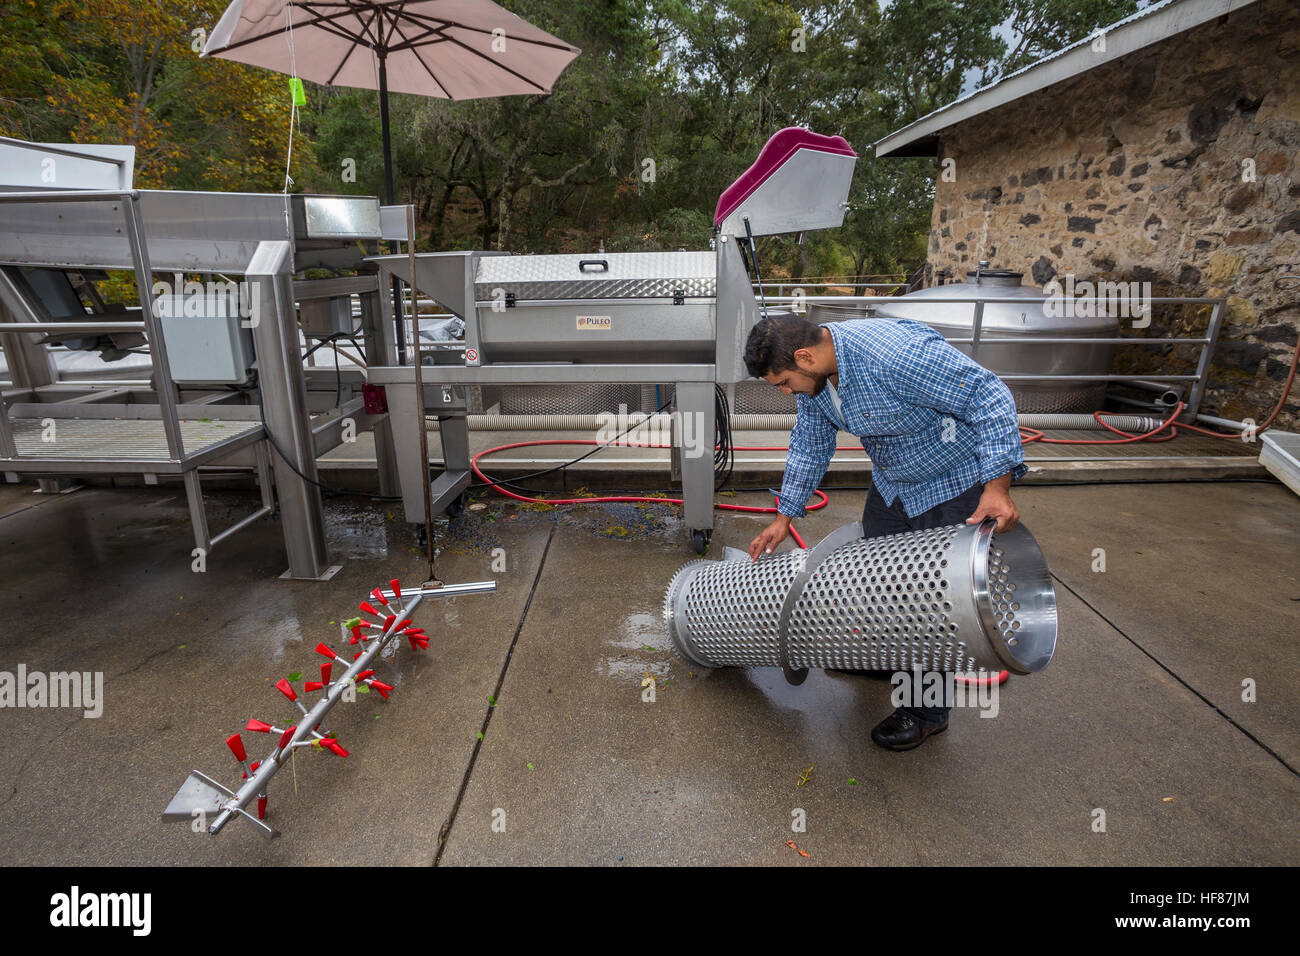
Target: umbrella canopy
{"type": "Point", "coordinates": [450, 49]}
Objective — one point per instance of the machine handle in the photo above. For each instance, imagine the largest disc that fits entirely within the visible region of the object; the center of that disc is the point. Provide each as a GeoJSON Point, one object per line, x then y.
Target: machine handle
{"type": "Point", "coordinates": [603, 263]}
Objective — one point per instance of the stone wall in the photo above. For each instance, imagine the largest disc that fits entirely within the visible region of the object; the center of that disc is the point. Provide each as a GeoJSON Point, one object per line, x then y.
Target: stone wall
{"type": "Point", "coordinates": [1174, 165]}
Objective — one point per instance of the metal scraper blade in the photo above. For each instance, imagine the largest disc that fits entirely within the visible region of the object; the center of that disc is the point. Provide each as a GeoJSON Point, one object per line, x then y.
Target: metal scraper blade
{"type": "Point", "coordinates": [198, 792]}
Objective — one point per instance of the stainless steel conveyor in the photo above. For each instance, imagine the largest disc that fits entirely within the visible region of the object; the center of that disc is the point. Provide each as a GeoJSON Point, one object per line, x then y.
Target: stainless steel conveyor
{"type": "Point", "coordinates": [69, 213]}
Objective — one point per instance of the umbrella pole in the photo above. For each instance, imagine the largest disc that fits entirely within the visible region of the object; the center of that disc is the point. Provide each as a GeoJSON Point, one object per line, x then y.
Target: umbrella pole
{"type": "Point", "coordinates": [389, 200]}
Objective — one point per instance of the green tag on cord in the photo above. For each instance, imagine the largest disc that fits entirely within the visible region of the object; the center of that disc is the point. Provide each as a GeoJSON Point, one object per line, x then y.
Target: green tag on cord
{"type": "Point", "coordinates": [299, 94]}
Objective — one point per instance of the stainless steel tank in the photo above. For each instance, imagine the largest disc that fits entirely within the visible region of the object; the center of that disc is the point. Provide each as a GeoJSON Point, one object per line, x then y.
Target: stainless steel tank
{"type": "Point", "coordinates": [1024, 322]}
{"type": "Point", "coordinates": [958, 598]}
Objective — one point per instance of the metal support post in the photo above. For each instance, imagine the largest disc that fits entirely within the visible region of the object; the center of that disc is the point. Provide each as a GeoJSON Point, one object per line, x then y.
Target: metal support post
{"type": "Point", "coordinates": [284, 402]}
{"type": "Point", "coordinates": [695, 406]}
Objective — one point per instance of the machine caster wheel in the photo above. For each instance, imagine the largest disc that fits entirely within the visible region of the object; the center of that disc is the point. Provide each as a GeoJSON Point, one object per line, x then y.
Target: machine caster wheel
{"type": "Point", "coordinates": [457, 508]}
{"type": "Point", "coordinates": [700, 541]}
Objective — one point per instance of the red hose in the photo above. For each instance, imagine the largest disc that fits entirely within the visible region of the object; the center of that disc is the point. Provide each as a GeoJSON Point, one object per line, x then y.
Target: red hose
{"type": "Point", "coordinates": [1034, 435]}
{"type": "Point", "coordinates": [627, 499]}
{"type": "Point", "coordinates": [1027, 435]}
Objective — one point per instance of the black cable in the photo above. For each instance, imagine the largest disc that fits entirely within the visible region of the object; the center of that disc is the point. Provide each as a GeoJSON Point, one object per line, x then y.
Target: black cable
{"type": "Point", "coordinates": [513, 484]}
{"type": "Point", "coordinates": [338, 374]}
{"type": "Point", "coordinates": [294, 468]}
{"type": "Point", "coordinates": [724, 455]}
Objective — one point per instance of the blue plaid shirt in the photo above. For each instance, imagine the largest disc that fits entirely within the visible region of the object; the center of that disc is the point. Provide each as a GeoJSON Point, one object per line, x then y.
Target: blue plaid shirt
{"type": "Point", "coordinates": [933, 421]}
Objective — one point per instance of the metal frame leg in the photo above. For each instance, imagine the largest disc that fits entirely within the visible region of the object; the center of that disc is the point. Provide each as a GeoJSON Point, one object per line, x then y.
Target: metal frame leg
{"type": "Point", "coordinates": [1203, 363]}
{"type": "Point", "coordinates": [380, 351]}
{"type": "Point", "coordinates": [405, 414]}
{"type": "Point", "coordinates": [198, 516]}
{"type": "Point", "coordinates": [694, 400]}
{"type": "Point", "coordinates": [287, 418]}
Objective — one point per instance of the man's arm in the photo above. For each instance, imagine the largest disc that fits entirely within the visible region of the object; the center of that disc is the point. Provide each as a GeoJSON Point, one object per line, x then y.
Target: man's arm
{"type": "Point", "coordinates": [996, 502]}
{"type": "Point", "coordinates": [812, 443]}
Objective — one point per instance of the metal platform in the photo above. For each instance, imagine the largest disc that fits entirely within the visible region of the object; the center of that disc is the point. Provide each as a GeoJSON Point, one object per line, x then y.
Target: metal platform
{"type": "Point", "coordinates": [136, 445]}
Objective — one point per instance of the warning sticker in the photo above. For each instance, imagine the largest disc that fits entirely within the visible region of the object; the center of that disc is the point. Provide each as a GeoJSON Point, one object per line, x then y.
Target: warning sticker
{"type": "Point", "coordinates": [595, 323]}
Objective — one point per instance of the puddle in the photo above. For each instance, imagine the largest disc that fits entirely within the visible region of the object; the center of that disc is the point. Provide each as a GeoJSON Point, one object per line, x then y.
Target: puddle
{"type": "Point", "coordinates": [352, 532]}
{"type": "Point", "coordinates": [626, 522]}
{"type": "Point", "coordinates": [281, 640]}
{"type": "Point", "coordinates": [633, 669]}
{"type": "Point", "coordinates": [266, 619]}
{"type": "Point", "coordinates": [641, 632]}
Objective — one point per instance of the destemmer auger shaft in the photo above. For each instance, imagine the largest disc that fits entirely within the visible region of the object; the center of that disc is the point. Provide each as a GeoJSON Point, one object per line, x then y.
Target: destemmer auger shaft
{"type": "Point", "coordinates": [201, 793]}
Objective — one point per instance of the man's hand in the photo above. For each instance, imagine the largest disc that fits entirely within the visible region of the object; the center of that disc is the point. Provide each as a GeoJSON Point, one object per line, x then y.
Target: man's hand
{"type": "Point", "coordinates": [770, 537]}
{"type": "Point", "coordinates": [996, 503]}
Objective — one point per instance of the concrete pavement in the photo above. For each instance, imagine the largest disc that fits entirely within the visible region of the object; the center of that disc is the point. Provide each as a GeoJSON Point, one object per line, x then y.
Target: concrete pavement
{"type": "Point", "coordinates": [1140, 715]}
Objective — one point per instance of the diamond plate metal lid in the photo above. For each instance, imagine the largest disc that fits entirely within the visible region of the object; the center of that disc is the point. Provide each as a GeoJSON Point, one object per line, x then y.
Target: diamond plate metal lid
{"type": "Point", "coordinates": [623, 275]}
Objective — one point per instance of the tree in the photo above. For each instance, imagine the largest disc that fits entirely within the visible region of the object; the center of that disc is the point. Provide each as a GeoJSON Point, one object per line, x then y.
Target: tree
{"type": "Point", "coordinates": [1041, 27]}
{"type": "Point", "coordinates": [119, 71]}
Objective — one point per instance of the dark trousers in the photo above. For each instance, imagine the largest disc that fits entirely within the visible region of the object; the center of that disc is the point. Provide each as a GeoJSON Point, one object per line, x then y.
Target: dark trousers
{"type": "Point", "coordinates": [879, 519]}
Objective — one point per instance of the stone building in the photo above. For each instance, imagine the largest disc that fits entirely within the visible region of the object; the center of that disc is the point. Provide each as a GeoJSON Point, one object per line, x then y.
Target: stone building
{"type": "Point", "coordinates": [1161, 149]}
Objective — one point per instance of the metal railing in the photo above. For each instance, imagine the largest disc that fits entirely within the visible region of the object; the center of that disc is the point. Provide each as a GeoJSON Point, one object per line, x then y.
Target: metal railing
{"type": "Point", "coordinates": [168, 399]}
{"type": "Point", "coordinates": [977, 338]}
{"type": "Point", "coordinates": [782, 285]}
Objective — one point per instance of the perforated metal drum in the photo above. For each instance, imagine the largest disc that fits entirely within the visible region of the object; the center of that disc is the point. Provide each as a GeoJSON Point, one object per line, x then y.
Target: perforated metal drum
{"type": "Point", "coordinates": [958, 598]}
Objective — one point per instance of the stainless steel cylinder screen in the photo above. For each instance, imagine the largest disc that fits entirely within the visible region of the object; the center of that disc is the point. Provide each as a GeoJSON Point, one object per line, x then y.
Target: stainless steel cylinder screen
{"type": "Point", "coordinates": [958, 598]}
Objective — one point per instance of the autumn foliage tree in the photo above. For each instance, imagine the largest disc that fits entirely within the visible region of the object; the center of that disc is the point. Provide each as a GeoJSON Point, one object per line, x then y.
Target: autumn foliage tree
{"type": "Point", "coordinates": [125, 71]}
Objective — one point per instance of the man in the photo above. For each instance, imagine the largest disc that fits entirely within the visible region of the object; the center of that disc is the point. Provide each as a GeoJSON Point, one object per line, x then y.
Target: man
{"type": "Point", "coordinates": [940, 430]}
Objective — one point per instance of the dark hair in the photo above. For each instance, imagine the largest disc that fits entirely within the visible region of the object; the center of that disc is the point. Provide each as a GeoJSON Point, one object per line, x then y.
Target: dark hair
{"type": "Point", "coordinates": [774, 340]}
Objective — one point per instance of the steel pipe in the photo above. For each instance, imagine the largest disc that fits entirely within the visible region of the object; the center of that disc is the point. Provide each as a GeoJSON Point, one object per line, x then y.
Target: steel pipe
{"type": "Point", "coordinates": [748, 423]}
{"type": "Point", "coordinates": [958, 598]}
{"type": "Point", "coordinates": [305, 731]}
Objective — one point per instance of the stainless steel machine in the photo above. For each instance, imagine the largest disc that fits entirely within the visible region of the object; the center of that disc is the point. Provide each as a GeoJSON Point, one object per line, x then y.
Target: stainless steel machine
{"type": "Point", "coordinates": [673, 318]}
{"type": "Point", "coordinates": [227, 387]}
{"type": "Point", "coordinates": [959, 598]}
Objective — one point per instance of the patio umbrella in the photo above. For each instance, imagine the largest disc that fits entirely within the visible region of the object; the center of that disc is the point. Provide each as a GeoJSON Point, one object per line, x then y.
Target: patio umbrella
{"type": "Point", "coordinates": [450, 49]}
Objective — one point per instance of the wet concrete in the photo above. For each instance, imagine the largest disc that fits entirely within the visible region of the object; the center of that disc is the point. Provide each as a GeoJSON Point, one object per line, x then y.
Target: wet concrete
{"type": "Point", "coordinates": [1140, 713]}
{"type": "Point", "coordinates": [188, 658]}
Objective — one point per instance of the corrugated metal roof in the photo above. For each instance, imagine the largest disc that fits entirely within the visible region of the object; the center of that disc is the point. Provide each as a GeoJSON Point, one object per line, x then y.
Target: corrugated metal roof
{"type": "Point", "coordinates": [1143, 28]}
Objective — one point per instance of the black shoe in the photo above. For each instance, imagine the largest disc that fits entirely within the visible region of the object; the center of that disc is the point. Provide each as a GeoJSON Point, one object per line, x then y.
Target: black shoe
{"type": "Point", "coordinates": [901, 731]}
